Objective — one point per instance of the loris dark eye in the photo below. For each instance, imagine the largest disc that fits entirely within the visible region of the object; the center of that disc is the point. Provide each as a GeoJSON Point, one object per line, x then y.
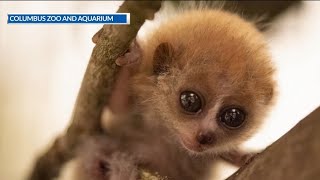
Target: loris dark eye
{"type": "Point", "coordinates": [190, 101]}
{"type": "Point", "coordinates": [232, 117]}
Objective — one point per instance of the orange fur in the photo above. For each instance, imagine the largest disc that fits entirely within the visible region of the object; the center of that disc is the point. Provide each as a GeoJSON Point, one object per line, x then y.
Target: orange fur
{"type": "Point", "coordinates": [213, 53]}
{"type": "Point", "coordinates": [217, 54]}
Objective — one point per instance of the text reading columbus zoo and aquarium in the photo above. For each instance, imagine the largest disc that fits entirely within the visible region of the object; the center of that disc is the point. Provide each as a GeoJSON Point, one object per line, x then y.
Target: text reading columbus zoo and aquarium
{"type": "Point", "coordinates": [117, 18]}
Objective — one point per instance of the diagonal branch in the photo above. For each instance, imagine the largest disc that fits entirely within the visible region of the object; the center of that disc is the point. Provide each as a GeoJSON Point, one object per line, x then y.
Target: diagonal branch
{"type": "Point", "coordinates": [294, 156]}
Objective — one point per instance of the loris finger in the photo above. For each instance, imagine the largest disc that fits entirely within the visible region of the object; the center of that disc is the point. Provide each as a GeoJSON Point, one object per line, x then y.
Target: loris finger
{"type": "Point", "coordinates": [96, 36]}
{"type": "Point", "coordinates": [132, 57]}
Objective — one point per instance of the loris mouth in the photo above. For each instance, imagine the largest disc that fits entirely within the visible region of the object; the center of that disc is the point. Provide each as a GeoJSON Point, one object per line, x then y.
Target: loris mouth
{"type": "Point", "coordinates": [193, 147]}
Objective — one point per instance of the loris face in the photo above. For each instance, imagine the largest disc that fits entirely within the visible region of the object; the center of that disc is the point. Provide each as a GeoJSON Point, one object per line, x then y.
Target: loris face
{"type": "Point", "coordinates": [211, 83]}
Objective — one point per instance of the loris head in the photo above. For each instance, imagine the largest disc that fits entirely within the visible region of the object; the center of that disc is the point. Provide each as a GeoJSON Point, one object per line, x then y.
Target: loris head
{"type": "Point", "coordinates": [206, 75]}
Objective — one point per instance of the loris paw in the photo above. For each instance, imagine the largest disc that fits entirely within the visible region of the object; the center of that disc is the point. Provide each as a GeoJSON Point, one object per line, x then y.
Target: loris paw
{"type": "Point", "coordinates": [238, 158]}
{"type": "Point", "coordinates": [122, 167]}
{"type": "Point", "coordinates": [117, 166]}
{"type": "Point", "coordinates": [119, 100]}
{"type": "Point", "coordinates": [100, 159]}
{"type": "Point", "coordinates": [132, 57]}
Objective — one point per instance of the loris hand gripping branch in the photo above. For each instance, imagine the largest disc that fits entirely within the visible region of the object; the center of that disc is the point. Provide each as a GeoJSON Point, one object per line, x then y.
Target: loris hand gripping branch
{"type": "Point", "coordinates": [198, 86]}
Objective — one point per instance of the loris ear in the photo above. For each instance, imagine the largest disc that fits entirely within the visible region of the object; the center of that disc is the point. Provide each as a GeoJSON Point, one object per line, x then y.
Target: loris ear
{"type": "Point", "coordinates": [162, 58]}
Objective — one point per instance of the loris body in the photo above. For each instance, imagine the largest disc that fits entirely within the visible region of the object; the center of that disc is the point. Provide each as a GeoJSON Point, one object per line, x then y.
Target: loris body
{"type": "Point", "coordinates": [204, 84]}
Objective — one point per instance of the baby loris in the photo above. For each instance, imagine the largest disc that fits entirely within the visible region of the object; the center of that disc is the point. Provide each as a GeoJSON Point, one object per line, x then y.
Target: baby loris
{"type": "Point", "coordinates": [194, 89]}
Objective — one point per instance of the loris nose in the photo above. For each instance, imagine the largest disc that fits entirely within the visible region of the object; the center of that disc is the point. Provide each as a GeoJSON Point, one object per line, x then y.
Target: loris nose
{"type": "Point", "coordinates": [205, 138]}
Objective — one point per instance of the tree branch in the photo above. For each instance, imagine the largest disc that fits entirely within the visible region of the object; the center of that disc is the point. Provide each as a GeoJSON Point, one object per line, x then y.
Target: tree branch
{"type": "Point", "coordinates": [294, 156]}
{"type": "Point", "coordinates": [96, 88]}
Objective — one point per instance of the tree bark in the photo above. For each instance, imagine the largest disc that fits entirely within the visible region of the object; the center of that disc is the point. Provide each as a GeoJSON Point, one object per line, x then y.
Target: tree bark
{"type": "Point", "coordinates": [295, 156]}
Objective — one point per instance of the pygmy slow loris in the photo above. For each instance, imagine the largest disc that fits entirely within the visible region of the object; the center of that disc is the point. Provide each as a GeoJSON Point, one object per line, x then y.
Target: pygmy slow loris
{"type": "Point", "coordinates": [203, 86]}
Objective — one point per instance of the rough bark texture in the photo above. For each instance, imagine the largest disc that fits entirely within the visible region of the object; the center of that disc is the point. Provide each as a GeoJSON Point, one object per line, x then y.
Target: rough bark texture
{"type": "Point", "coordinates": [95, 89]}
{"type": "Point", "coordinates": [295, 156]}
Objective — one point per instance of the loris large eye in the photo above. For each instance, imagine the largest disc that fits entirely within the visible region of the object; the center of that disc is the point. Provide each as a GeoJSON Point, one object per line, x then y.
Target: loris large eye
{"type": "Point", "coordinates": [232, 117]}
{"type": "Point", "coordinates": [190, 101]}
